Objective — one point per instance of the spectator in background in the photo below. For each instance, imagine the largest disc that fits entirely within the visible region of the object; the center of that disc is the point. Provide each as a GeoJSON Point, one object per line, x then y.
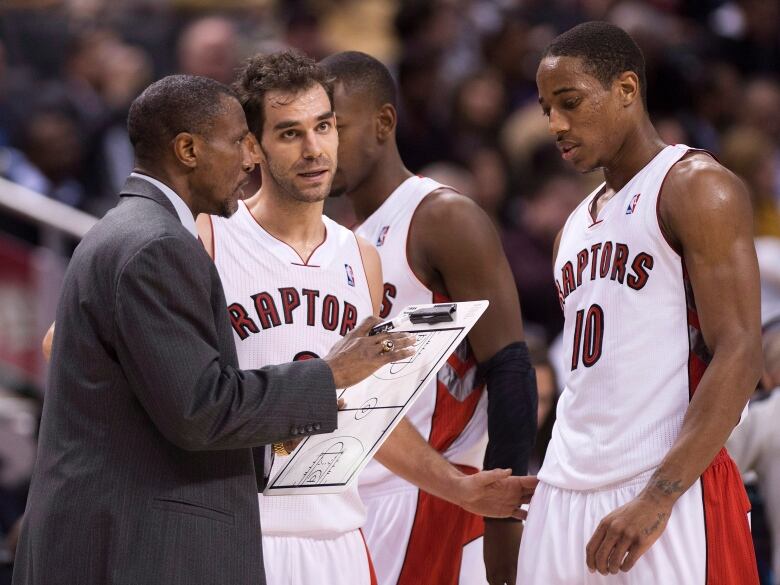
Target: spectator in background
{"type": "Point", "coordinates": [749, 153]}
{"type": "Point", "coordinates": [547, 387]}
{"type": "Point", "coordinates": [303, 32]}
{"type": "Point", "coordinates": [513, 49]}
{"type": "Point", "coordinates": [753, 44]}
{"type": "Point", "coordinates": [478, 112]}
{"type": "Point", "coordinates": [536, 220]}
{"type": "Point", "coordinates": [101, 75]}
{"type": "Point", "coordinates": [714, 95]}
{"type": "Point", "coordinates": [47, 151]}
{"type": "Point", "coordinates": [423, 132]}
{"type": "Point", "coordinates": [209, 47]}
{"type": "Point", "coordinates": [491, 180]}
{"type": "Point", "coordinates": [755, 444]}
{"type": "Point", "coordinates": [483, 178]}
{"type": "Point", "coordinates": [761, 109]}
{"type": "Point", "coordinates": [46, 157]}
{"type": "Point", "coordinates": [768, 252]}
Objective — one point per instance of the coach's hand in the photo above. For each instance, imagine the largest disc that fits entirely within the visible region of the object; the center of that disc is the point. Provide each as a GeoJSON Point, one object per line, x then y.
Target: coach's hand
{"type": "Point", "coordinates": [625, 534]}
{"type": "Point", "coordinates": [500, 548]}
{"type": "Point", "coordinates": [359, 355]}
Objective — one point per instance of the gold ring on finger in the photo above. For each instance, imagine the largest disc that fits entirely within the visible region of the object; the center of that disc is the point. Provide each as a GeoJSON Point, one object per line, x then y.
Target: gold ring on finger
{"type": "Point", "coordinates": [387, 345]}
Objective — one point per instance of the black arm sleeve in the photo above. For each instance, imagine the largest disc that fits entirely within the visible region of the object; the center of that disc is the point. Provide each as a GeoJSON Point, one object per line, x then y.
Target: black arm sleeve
{"type": "Point", "coordinates": [512, 400]}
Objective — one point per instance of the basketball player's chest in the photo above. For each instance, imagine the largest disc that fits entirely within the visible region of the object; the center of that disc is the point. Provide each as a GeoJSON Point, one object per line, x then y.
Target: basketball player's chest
{"type": "Point", "coordinates": [281, 311]}
{"type": "Point", "coordinates": [614, 252]}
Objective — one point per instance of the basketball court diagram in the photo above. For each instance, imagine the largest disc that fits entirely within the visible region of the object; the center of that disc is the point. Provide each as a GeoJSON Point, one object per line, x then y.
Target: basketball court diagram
{"type": "Point", "coordinates": [330, 463]}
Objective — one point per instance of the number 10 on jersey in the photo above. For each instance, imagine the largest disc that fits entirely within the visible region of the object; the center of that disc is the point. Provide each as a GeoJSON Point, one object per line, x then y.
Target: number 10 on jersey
{"type": "Point", "coordinates": [589, 341]}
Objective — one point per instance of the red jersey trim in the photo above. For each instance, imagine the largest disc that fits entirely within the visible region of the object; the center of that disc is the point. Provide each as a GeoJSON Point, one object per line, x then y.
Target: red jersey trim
{"type": "Point", "coordinates": [306, 261]}
{"type": "Point", "coordinates": [660, 192]}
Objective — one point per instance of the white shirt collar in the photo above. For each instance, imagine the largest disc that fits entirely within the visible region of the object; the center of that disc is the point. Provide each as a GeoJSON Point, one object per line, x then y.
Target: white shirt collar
{"type": "Point", "coordinates": [184, 212]}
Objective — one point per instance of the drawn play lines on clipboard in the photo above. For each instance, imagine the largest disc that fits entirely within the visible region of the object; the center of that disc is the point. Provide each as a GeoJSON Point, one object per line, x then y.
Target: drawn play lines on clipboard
{"type": "Point", "coordinates": [428, 346]}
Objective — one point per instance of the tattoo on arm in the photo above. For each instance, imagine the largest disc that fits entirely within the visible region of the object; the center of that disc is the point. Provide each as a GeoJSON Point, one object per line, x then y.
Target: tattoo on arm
{"type": "Point", "coordinates": [650, 529]}
{"type": "Point", "coordinates": [668, 487]}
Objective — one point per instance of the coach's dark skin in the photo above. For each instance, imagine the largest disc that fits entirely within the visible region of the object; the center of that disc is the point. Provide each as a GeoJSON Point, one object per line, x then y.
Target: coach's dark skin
{"type": "Point", "coordinates": [705, 215]}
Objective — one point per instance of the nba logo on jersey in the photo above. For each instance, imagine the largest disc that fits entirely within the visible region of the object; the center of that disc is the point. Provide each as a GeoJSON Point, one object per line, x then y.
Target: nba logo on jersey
{"type": "Point", "coordinates": [350, 275]}
{"type": "Point", "coordinates": [382, 234]}
{"type": "Point", "coordinates": [632, 205]}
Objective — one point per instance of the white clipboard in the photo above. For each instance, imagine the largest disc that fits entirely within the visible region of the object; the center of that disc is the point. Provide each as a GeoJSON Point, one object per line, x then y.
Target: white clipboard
{"type": "Point", "coordinates": [331, 463]}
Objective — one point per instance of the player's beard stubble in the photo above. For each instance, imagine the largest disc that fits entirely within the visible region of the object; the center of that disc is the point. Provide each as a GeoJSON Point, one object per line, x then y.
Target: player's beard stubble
{"type": "Point", "coordinates": [284, 178]}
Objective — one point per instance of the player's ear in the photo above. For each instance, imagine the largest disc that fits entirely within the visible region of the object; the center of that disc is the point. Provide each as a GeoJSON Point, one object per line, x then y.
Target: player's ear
{"type": "Point", "coordinates": [185, 149]}
{"type": "Point", "coordinates": [628, 86]}
{"type": "Point", "coordinates": [386, 120]}
{"type": "Point", "coordinates": [255, 152]}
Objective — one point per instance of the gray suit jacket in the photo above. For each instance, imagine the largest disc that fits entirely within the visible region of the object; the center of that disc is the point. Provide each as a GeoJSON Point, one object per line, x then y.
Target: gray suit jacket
{"type": "Point", "coordinates": [145, 474]}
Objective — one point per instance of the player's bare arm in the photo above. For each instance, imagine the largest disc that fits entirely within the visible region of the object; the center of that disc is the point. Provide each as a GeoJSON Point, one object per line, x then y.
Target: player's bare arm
{"type": "Point", "coordinates": [373, 267]}
{"type": "Point", "coordinates": [456, 251]}
{"type": "Point", "coordinates": [493, 493]}
{"type": "Point", "coordinates": [704, 212]}
{"type": "Point", "coordinates": [407, 454]}
{"type": "Point", "coordinates": [47, 342]}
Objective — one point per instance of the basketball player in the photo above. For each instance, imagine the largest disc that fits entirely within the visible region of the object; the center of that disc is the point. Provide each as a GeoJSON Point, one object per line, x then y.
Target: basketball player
{"type": "Point", "coordinates": [658, 280]}
{"type": "Point", "coordinates": [295, 283]}
{"type": "Point", "coordinates": [435, 244]}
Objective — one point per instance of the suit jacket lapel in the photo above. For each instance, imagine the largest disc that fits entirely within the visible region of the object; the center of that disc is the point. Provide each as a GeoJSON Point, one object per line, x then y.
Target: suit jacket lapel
{"type": "Point", "coordinates": [136, 187]}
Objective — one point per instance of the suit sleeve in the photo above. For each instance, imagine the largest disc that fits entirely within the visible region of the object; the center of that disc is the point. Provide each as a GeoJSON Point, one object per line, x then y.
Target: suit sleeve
{"type": "Point", "coordinates": [167, 344]}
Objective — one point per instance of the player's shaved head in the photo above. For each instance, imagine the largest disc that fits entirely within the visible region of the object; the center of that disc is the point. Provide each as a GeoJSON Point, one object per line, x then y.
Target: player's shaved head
{"type": "Point", "coordinates": [362, 74]}
{"type": "Point", "coordinates": [170, 106]}
{"type": "Point", "coordinates": [605, 49]}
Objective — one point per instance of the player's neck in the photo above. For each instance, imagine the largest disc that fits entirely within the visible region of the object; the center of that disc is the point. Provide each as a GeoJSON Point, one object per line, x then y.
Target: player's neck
{"type": "Point", "coordinates": [387, 175]}
{"type": "Point", "coordinates": [297, 223]}
{"type": "Point", "coordinates": [640, 146]}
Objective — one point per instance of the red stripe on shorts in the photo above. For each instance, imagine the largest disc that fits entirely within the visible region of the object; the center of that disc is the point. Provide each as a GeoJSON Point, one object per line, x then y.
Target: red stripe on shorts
{"type": "Point", "coordinates": [731, 557]}
{"type": "Point", "coordinates": [439, 533]}
{"type": "Point", "coordinates": [370, 562]}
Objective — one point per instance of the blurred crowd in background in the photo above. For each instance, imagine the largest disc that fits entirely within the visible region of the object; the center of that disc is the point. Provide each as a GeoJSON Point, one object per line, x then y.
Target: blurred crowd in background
{"type": "Point", "coordinates": [469, 117]}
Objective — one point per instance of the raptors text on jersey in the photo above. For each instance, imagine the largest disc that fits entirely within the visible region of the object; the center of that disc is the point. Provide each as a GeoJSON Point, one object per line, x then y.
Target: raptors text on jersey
{"type": "Point", "coordinates": [283, 309]}
{"type": "Point", "coordinates": [632, 345]}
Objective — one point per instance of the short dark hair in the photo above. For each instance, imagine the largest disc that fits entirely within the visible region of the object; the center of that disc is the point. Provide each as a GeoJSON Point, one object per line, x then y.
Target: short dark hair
{"type": "Point", "coordinates": [607, 51]}
{"type": "Point", "coordinates": [362, 73]}
{"type": "Point", "coordinates": [288, 71]}
{"type": "Point", "coordinates": [174, 104]}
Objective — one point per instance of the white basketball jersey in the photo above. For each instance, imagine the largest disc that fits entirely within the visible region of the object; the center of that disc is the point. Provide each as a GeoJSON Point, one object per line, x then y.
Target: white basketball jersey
{"type": "Point", "coordinates": [284, 309]}
{"type": "Point", "coordinates": [452, 412]}
{"type": "Point", "coordinates": [632, 345]}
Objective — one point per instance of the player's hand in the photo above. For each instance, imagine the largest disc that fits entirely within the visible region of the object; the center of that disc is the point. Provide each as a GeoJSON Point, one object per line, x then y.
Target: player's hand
{"type": "Point", "coordinates": [625, 534]}
{"type": "Point", "coordinates": [500, 548]}
{"type": "Point", "coordinates": [359, 355]}
{"type": "Point", "coordinates": [495, 493]}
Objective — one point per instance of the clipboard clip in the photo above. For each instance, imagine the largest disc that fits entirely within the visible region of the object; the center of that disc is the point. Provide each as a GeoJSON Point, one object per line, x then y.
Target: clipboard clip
{"type": "Point", "coordinates": [441, 313]}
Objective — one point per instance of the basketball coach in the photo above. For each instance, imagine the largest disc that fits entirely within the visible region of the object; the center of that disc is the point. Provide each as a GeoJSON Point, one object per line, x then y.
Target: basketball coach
{"type": "Point", "coordinates": [145, 472]}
